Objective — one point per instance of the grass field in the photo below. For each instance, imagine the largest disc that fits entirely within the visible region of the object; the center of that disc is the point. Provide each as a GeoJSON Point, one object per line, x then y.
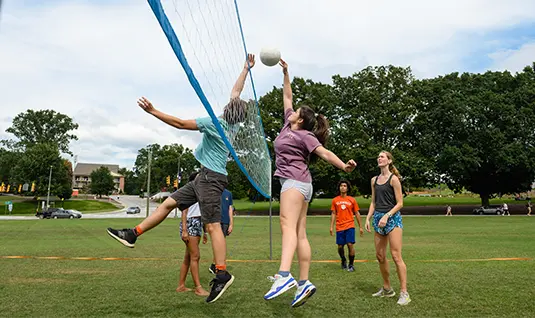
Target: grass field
{"type": "Point", "coordinates": [243, 205]}
{"type": "Point", "coordinates": [23, 206]}
{"type": "Point", "coordinates": [450, 273]}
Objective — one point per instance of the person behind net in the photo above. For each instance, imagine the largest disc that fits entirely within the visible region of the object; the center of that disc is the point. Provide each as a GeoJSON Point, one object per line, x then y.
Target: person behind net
{"type": "Point", "coordinates": [343, 208]}
{"type": "Point", "coordinates": [227, 219]}
{"type": "Point", "coordinates": [385, 206]}
{"type": "Point", "coordinates": [191, 229]}
{"type": "Point", "coordinates": [301, 140]}
{"type": "Point", "coordinates": [212, 154]}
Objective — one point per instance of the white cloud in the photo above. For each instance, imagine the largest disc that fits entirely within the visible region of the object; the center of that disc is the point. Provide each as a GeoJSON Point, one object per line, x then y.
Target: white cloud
{"type": "Point", "coordinates": [92, 60]}
{"type": "Point", "coordinates": [514, 60]}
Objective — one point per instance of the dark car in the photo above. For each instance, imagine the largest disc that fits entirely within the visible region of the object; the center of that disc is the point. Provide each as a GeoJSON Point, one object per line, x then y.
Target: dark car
{"type": "Point", "coordinates": [489, 210]}
{"type": "Point", "coordinates": [46, 214]}
{"type": "Point", "coordinates": [133, 210]}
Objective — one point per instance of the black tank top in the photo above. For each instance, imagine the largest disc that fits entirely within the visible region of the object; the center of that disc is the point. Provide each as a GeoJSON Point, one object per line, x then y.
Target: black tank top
{"type": "Point", "coordinates": [385, 199]}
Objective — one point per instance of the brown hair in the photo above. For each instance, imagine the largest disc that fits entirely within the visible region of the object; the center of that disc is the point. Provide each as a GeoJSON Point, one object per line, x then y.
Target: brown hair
{"type": "Point", "coordinates": [391, 166]}
{"type": "Point", "coordinates": [235, 111]}
{"type": "Point", "coordinates": [317, 124]}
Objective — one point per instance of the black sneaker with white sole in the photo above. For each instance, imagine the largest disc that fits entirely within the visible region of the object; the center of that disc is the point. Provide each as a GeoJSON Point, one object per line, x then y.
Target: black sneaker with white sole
{"type": "Point", "coordinates": [127, 237]}
{"type": "Point", "coordinates": [219, 284]}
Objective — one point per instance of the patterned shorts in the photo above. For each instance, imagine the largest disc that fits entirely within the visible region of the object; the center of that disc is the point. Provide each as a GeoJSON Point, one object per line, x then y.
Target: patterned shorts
{"type": "Point", "coordinates": [194, 226]}
{"type": "Point", "coordinates": [394, 221]}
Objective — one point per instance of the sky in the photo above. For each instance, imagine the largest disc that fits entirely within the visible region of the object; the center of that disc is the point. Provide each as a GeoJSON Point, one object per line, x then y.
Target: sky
{"type": "Point", "coordinates": [92, 60]}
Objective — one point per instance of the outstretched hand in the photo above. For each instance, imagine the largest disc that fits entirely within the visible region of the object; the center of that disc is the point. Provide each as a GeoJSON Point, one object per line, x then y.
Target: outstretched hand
{"type": "Point", "coordinates": [284, 66]}
{"type": "Point", "coordinates": [350, 166]}
{"type": "Point", "coordinates": [146, 105]}
{"type": "Point", "coordinates": [249, 62]}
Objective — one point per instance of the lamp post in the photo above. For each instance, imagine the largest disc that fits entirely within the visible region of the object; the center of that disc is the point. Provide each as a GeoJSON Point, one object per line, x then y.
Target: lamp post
{"type": "Point", "coordinates": [49, 181]}
{"type": "Point", "coordinates": [148, 182]}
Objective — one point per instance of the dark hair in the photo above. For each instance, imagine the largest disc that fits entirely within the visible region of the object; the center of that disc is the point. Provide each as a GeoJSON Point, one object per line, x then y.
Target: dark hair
{"type": "Point", "coordinates": [193, 175]}
{"type": "Point", "coordinates": [347, 183]}
{"type": "Point", "coordinates": [317, 124]}
{"type": "Point", "coordinates": [235, 111]}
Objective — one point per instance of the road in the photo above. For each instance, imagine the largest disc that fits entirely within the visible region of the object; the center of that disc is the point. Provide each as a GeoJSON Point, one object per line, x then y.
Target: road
{"type": "Point", "coordinates": [126, 200]}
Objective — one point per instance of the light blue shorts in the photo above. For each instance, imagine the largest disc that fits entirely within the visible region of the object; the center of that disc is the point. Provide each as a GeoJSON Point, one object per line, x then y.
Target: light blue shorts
{"type": "Point", "coordinates": [303, 187]}
{"type": "Point", "coordinates": [394, 221]}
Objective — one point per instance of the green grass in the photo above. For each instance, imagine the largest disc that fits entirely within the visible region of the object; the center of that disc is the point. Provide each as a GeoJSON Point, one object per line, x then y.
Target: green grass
{"type": "Point", "coordinates": [25, 206]}
{"type": "Point", "coordinates": [244, 205]}
{"type": "Point", "coordinates": [448, 288]}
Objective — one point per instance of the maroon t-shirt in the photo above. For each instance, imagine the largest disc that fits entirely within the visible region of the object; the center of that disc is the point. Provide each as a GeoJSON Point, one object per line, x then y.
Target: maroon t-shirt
{"type": "Point", "coordinates": [292, 151]}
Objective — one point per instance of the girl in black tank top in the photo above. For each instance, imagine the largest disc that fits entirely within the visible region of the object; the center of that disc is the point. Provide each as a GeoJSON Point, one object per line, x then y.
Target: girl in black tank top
{"type": "Point", "coordinates": [387, 201]}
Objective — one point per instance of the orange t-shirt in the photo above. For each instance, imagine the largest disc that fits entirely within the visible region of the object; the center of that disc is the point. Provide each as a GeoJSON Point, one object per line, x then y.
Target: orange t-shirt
{"type": "Point", "coordinates": [344, 208]}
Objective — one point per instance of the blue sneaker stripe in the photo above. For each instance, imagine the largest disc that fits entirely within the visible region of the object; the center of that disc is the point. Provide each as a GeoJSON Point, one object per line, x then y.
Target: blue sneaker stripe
{"type": "Point", "coordinates": [280, 288]}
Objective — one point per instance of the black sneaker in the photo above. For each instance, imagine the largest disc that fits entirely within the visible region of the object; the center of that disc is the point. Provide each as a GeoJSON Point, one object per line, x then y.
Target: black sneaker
{"type": "Point", "coordinates": [344, 266]}
{"type": "Point", "coordinates": [126, 236]}
{"type": "Point", "coordinates": [219, 284]}
{"type": "Point", "coordinates": [212, 268]}
{"type": "Point", "coordinates": [351, 268]}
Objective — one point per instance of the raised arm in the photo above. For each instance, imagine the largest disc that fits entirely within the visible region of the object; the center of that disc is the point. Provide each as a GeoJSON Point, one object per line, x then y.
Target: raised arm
{"type": "Point", "coordinates": [240, 82]}
{"type": "Point", "coordinates": [333, 159]}
{"type": "Point", "coordinates": [176, 122]}
{"type": "Point", "coordinates": [287, 88]}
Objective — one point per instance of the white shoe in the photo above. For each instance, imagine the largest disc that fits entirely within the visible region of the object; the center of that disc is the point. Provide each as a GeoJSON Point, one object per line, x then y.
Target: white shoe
{"type": "Point", "coordinates": [280, 285]}
{"type": "Point", "coordinates": [385, 293]}
{"type": "Point", "coordinates": [303, 293]}
{"type": "Point", "coordinates": [404, 298]}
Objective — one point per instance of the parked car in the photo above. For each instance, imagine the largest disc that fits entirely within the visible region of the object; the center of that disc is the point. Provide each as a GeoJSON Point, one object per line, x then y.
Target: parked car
{"type": "Point", "coordinates": [489, 210]}
{"type": "Point", "coordinates": [65, 214]}
{"type": "Point", "coordinates": [133, 210]}
{"type": "Point", "coordinates": [75, 212]}
{"type": "Point", "coordinates": [46, 214]}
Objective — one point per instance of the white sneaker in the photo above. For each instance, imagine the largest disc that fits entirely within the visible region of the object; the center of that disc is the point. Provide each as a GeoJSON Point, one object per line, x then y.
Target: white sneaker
{"type": "Point", "coordinates": [385, 293]}
{"type": "Point", "coordinates": [303, 293]}
{"type": "Point", "coordinates": [280, 285]}
{"type": "Point", "coordinates": [404, 298]}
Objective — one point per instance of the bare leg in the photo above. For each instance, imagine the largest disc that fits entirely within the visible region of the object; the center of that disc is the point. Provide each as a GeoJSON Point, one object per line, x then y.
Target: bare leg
{"type": "Point", "coordinates": [304, 254]}
{"type": "Point", "coordinates": [195, 256]}
{"type": "Point", "coordinates": [219, 245]}
{"type": "Point", "coordinates": [183, 273]}
{"type": "Point", "coordinates": [159, 215]}
{"type": "Point", "coordinates": [291, 205]}
{"type": "Point", "coordinates": [395, 238]}
{"type": "Point", "coordinates": [380, 252]}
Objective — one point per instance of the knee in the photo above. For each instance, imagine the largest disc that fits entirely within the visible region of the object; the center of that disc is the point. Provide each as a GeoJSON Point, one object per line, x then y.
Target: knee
{"type": "Point", "coordinates": [195, 256]}
{"type": "Point", "coordinates": [381, 257]}
{"type": "Point", "coordinates": [211, 227]}
{"type": "Point", "coordinates": [396, 257]}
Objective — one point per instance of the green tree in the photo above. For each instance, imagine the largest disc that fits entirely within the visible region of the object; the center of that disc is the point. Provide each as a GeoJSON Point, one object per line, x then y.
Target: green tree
{"type": "Point", "coordinates": [478, 128]}
{"type": "Point", "coordinates": [8, 160]}
{"type": "Point", "coordinates": [131, 181]}
{"type": "Point", "coordinates": [101, 181]}
{"type": "Point", "coordinates": [34, 166]}
{"type": "Point", "coordinates": [42, 126]}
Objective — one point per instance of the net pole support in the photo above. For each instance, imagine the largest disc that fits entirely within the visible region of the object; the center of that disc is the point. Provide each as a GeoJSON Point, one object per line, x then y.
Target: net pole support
{"type": "Point", "coordinates": [270, 229]}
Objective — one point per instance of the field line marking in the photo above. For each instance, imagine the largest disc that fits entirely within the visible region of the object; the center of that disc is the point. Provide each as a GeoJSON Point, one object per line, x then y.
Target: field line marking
{"type": "Point", "coordinates": [85, 258]}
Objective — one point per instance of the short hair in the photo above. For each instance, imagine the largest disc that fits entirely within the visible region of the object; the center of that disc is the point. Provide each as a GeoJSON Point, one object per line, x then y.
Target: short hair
{"type": "Point", "coordinates": [346, 182]}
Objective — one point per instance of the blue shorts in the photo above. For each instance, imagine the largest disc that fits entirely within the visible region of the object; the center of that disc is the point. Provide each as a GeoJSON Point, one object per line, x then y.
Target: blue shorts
{"type": "Point", "coordinates": [346, 236]}
{"type": "Point", "coordinates": [394, 221]}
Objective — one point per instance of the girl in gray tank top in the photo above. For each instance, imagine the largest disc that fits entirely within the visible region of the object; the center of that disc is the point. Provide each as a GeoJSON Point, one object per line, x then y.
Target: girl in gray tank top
{"type": "Point", "coordinates": [387, 201]}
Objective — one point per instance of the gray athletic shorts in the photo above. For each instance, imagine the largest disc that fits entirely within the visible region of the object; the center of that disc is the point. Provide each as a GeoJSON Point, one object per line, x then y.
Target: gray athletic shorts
{"type": "Point", "coordinates": [205, 189]}
{"type": "Point", "coordinates": [303, 187]}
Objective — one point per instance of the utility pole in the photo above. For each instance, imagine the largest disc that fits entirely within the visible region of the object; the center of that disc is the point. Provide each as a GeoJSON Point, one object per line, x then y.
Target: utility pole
{"type": "Point", "coordinates": [148, 182]}
{"type": "Point", "coordinates": [73, 166]}
{"type": "Point", "coordinates": [49, 181]}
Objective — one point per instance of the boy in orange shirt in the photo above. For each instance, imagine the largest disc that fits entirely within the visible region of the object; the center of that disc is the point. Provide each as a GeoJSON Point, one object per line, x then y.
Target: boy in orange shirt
{"type": "Point", "coordinates": [343, 208]}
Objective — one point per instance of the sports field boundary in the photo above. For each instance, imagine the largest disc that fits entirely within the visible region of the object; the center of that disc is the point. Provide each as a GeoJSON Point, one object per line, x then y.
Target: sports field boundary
{"type": "Point", "coordinates": [85, 258]}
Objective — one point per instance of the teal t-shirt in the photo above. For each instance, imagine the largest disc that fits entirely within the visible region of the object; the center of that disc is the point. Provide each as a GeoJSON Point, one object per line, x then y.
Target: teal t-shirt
{"type": "Point", "coordinates": [212, 151]}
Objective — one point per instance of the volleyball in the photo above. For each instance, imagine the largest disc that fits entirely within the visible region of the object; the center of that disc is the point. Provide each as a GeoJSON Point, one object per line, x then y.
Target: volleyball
{"type": "Point", "coordinates": [270, 56]}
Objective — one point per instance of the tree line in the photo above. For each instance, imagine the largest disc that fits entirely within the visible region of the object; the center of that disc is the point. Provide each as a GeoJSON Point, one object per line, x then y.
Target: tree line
{"type": "Point", "coordinates": [471, 131]}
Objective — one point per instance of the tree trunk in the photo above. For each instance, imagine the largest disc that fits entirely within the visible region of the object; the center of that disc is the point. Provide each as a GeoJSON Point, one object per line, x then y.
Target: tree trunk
{"type": "Point", "coordinates": [484, 199]}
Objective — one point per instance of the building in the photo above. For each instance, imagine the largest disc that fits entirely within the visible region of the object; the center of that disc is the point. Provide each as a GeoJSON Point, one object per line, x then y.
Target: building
{"type": "Point", "coordinates": [82, 173]}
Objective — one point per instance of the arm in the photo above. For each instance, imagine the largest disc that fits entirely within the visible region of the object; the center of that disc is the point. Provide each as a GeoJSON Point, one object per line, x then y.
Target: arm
{"type": "Point", "coordinates": [396, 184]}
{"type": "Point", "coordinates": [372, 206]}
{"type": "Point", "coordinates": [333, 159]}
{"type": "Point", "coordinates": [231, 217]}
{"type": "Point", "coordinates": [287, 88]}
{"type": "Point", "coordinates": [185, 235]}
{"type": "Point", "coordinates": [240, 82]}
{"type": "Point", "coordinates": [333, 220]}
{"type": "Point", "coordinates": [176, 122]}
